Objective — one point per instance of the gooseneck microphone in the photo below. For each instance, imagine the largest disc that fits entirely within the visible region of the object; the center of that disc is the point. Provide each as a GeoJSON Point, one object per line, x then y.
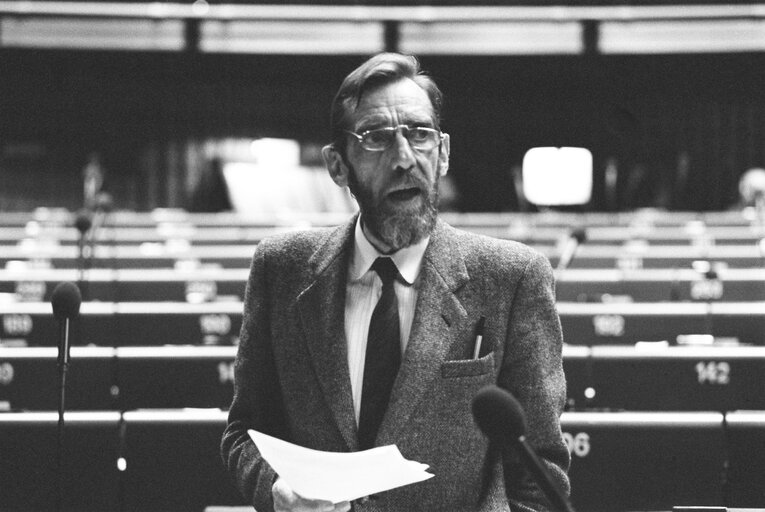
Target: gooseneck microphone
{"type": "Point", "coordinates": [572, 243]}
{"type": "Point", "coordinates": [66, 300]}
{"type": "Point", "coordinates": [500, 417]}
{"type": "Point", "coordinates": [83, 223]}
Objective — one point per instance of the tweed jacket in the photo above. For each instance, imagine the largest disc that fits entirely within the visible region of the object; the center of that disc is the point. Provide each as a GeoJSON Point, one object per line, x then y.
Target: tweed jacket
{"type": "Point", "coordinates": [292, 378]}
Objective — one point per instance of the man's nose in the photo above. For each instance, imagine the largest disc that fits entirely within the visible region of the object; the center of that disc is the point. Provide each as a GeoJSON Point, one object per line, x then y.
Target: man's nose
{"type": "Point", "coordinates": [403, 153]}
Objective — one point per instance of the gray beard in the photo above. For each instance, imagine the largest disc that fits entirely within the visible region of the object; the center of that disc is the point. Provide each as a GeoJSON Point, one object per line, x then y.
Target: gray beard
{"type": "Point", "coordinates": [396, 228]}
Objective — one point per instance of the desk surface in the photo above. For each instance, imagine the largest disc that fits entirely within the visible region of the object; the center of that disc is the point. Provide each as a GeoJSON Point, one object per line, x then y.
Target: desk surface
{"type": "Point", "coordinates": [638, 218]}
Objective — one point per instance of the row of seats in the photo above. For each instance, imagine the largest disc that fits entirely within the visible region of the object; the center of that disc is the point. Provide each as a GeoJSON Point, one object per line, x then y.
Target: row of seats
{"type": "Point", "coordinates": [211, 284]}
{"type": "Point", "coordinates": [691, 233]}
{"type": "Point", "coordinates": [218, 323]}
{"type": "Point", "coordinates": [238, 256]}
{"type": "Point", "coordinates": [168, 460]}
{"type": "Point", "coordinates": [599, 378]}
{"type": "Point", "coordinates": [635, 220]}
{"type": "Point", "coordinates": [653, 377]}
{"type": "Point", "coordinates": [125, 323]}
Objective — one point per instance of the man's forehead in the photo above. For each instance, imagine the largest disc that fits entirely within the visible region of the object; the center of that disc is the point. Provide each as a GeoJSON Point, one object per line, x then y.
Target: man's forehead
{"type": "Point", "coordinates": [403, 98]}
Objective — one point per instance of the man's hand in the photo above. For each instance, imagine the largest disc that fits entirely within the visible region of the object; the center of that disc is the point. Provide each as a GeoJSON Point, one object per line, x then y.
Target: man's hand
{"type": "Point", "coordinates": [285, 500]}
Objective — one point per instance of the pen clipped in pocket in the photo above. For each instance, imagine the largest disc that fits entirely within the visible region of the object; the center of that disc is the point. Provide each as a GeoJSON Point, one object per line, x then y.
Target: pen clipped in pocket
{"type": "Point", "coordinates": [481, 346]}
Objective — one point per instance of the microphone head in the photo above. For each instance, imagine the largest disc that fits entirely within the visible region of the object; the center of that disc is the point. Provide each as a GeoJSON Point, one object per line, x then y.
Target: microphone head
{"type": "Point", "coordinates": [579, 234]}
{"type": "Point", "coordinates": [66, 299]}
{"type": "Point", "coordinates": [83, 222]}
{"type": "Point", "coordinates": [498, 414]}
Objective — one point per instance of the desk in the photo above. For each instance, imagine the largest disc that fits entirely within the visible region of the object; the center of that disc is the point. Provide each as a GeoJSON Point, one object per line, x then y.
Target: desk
{"type": "Point", "coordinates": [133, 256]}
{"type": "Point", "coordinates": [126, 323]}
{"type": "Point", "coordinates": [598, 378]}
{"type": "Point", "coordinates": [665, 378]}
{"type": "Point", "coordinates": [201, 284]}
{"type": "Point", "coordinates": [663, 256]}
{"type": "Point", "coordinates": [124, 378]}
{"type": "Point", "coordinates": [617, 236]}
{"type": "Point", "coordinates": [660, 285]}
{"type": "Point", "coordinates": [627, 323]}
{"type": "Point", "coordinates": [641, 217]}
{"type": "Point", "coordinates": [28, 471]}
{"type": "Point", "coordinates": [161, 233]}
{"type": "Point", "coordinates": [168, 255]}
{"type": "Point", "coordinates": [171, 377]}
{"type": "Point", "coordinates": [620, 461]}
{"type": "Point", "coordinates": [172, 461]}
{"type": "Point", "coordinates": [218, 323]}
{"type": "Point", "coordinates": [746, 434]}
{"type": "Point", "coordinates": [129, 285]}
{"type": "Point", "coordinates": [28, 378]}
{"type": "Point", "coordinates": [644, 461]}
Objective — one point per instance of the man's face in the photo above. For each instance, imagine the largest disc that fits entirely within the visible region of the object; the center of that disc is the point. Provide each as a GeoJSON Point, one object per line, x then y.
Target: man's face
{"type": "Point", "coordinates": [397, 188]}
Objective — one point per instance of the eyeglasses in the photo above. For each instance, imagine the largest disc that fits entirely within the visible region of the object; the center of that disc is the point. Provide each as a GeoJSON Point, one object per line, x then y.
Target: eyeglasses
{"type": "Point", "coordinates": [380, 139]}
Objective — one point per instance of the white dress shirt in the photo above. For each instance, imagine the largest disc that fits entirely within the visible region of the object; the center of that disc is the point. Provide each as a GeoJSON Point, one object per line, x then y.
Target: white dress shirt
{"type": "Point", "coordinates": [362, 293]}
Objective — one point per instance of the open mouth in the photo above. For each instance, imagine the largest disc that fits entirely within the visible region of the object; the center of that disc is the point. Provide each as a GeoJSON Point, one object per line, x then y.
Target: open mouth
{"type": "Point", "coordinates": [405, 194]}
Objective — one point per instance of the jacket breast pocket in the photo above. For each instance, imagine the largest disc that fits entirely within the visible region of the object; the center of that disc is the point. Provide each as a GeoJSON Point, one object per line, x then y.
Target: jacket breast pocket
{"type": "Point", "coordinates": [468, 367]}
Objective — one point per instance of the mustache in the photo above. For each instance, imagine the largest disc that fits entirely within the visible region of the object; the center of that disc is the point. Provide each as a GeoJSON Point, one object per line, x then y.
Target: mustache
{"type": "Point", "coordinates": [410, 181]}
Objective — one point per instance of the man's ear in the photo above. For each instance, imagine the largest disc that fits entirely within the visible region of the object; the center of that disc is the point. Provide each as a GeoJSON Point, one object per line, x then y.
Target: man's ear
{"type": "Point", "coordinates": [336, 167]}
{"type": "Point", "coordinates": [443, 156]}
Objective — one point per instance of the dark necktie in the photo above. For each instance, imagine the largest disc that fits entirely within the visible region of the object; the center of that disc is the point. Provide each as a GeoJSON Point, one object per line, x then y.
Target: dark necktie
{"type": "Point", "coordinates": [383, 356]}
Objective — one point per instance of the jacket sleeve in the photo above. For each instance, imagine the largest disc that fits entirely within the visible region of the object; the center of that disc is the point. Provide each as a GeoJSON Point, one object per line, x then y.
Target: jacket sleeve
{"type": "Point", "coordinates": [532, 371]}
{"type": "Point", "coordinates": [257, 397]}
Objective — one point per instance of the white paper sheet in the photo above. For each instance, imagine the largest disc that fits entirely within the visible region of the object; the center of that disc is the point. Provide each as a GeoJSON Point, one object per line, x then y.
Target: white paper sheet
{"type": "Point", "coordinates": [337, 476]}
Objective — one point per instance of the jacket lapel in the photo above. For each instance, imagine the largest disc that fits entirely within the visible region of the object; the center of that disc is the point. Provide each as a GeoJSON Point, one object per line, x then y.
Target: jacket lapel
{"type": "Point", "coordinates": [438, 313]}
{"type": "Point", "coordinates": [321, 308]}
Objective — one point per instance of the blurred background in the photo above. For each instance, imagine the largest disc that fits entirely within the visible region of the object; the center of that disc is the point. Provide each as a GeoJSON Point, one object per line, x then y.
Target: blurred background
{"type": "Point", "coordinates": [152, 101]}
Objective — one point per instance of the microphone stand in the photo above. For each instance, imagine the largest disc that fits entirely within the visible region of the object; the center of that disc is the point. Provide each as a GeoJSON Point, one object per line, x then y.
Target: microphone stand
{"type": "Point", "coordinates": [65, 299]}
{"type": "Point", "coordinates": [83, 224]}
{"type": "Point", "coordinates": [556, 498]}
{"type": "Point", "coordinates": [63, 366]}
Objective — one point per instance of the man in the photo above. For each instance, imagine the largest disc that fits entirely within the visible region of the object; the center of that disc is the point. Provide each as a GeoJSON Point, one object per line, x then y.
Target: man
{"type": "Point", "coordinates": [311, 329]}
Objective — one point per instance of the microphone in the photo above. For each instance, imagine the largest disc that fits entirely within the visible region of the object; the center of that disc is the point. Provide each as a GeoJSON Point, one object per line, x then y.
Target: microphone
{"type": "Point", "coordinates": [500, 417]}
{"type": "Point", "coordinates": [575, 239]}
{"type": "Point", "coordinates": [65, 301]}
{"type": "Point", "coordinates": [82, 222]}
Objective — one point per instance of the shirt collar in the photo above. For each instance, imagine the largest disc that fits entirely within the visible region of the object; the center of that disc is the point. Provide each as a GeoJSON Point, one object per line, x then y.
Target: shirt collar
{"type": "Point", "coordinates": [408, 260]}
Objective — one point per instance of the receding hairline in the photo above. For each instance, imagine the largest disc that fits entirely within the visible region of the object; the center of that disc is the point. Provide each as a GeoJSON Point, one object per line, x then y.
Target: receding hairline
{"type": "Point", "coordinates": [374, 88]}
{"type": "Point", "coordinates": [380, 71]}
{"type": "Point", "coordinates": [351, 103]}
